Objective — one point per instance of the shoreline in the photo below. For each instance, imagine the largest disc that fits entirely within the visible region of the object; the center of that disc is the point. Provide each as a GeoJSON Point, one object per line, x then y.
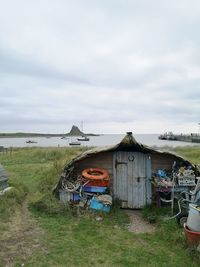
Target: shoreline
{"type": "Point", "coordinates": [41, 135]}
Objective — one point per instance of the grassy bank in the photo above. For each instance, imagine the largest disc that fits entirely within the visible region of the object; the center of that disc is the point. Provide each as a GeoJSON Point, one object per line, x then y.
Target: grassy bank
{"type": "Point", "coordinates": [48, 233]}
{"type": "Point", "coordinates": [18, 135]}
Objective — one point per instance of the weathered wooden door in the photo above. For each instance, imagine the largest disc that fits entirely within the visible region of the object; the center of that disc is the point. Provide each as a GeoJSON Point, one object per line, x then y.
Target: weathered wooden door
{"type": "Point", "coordinates": [131, 178]}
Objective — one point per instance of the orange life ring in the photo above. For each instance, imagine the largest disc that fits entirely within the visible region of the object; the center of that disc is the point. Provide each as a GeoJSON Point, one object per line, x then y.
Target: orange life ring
{"type": "Point", "coordinates": [95, 174]}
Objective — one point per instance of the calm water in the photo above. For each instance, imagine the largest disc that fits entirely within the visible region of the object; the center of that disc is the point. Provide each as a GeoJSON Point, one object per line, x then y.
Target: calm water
{"type": "Point", "coordinates": [103, 140]}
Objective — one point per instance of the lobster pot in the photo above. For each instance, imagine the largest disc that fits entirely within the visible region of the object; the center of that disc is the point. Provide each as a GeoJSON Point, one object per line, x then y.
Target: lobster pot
{"type": "Point", "coordinates": [193, 221]}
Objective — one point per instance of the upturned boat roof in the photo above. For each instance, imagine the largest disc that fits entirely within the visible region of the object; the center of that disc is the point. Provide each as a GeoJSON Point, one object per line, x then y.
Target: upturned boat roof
{"type": "Point", "coordinates": [128, 143]}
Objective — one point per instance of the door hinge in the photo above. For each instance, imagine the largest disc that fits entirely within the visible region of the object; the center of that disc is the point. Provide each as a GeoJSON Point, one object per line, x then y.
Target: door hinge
{"type": "Point", "coordinates": [119, 163]}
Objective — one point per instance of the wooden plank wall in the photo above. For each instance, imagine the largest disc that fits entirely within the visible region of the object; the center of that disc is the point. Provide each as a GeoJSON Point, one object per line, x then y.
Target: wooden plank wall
{"type": "Point", "coordinates": [105, 160]}
{"type": "Point", "coordinates": [136, 189]}
{"type": "Point", "coordinates": [148, 180]}
{"type": "Point", "coordinates": [162, 161]}
{"type": "Point", "coordinates": [102, 160]}
{"type": "Point", "coordinates": [120, 177]}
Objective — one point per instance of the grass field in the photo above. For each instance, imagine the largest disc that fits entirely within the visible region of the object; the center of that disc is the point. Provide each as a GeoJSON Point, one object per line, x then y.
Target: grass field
{"type": "Point", "coordinates": [37, 230]}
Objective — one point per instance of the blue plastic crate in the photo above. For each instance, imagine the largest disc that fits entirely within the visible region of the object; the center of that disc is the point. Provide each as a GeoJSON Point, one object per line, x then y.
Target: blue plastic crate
{"type": "Point", "coordinates": [97, 205]}
{"type": "Point", "coordinates": [95, 189]}
{"type": "Point", "coordinates": [75, 197]}
{"type": "Point", "coordinates": [67, 196]}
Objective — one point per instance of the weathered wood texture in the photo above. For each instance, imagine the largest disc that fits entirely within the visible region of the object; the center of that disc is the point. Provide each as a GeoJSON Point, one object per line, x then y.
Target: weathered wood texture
{"type": "Point", "coordinates": [164, 161]}
{"type": "Point", "coordinates": [101, 160]}
{"type": "Point", "coordinates": [129, 178]}
{"type": "Point", "coordinates": [148, 179]}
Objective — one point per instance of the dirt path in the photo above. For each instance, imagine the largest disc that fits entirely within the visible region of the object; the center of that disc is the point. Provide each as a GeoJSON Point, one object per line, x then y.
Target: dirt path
{"type": "Point", "coordinates": [21, 238]}
{"type": "Point", "coordinates": [138, 224]}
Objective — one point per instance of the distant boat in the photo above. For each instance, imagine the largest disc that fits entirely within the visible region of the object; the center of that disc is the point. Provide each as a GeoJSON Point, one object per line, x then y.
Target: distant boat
{"type": "Point", "coordinates": [64, 137]}
{"type": "Point", "coordinates": [83, 138]}
{"type": "Point", "coordinates": [31, 142]}
{"type": "Point", "coordinates": [167, 136]}
{"type": "Point", "coordinates": [75, 143]}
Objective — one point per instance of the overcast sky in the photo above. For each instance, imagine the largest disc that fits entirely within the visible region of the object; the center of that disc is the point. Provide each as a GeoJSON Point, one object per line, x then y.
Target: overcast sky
{"type": "Point", "coordinates": [117, 65]}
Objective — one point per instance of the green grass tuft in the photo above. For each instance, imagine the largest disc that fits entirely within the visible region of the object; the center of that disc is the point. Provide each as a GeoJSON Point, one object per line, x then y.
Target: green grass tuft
{"type": "Point", "coordinates": [48, 204]}
{"type": "Point", "coordinates": [10, 201]}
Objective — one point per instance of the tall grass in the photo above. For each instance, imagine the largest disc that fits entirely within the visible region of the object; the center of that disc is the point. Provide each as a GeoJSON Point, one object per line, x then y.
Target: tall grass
{"type": "Point", "coordinates": [190, 153]}
{"type": "Point", "coordinates": [33, 173]}
{"type": "Point", "coordinates": [82, 240]}
{"type": "Point", "coordinates": [12, 199]}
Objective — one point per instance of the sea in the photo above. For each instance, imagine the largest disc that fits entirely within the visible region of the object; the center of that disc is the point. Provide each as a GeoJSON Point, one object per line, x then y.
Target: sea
{"type": "Point", "coordinates": [101, 140]}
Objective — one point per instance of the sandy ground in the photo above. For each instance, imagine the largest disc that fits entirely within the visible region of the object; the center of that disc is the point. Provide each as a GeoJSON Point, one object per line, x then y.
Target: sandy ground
{"type": "Point", "coordinates": [138, 224]}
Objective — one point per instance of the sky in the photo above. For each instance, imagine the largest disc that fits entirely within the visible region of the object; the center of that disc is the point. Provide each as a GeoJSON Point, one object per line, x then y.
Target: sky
{"type": "Point", "coordinates": [116, 65]}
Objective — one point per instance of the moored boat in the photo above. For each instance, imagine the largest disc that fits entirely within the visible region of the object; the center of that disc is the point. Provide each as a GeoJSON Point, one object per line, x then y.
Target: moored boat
{"type": "Point", "coordinates": [64, 137]}
{"type": "Point", "coordinates": [75, 143]}
{"type": "Point", "coordinates": [83, 138]}
{"type": "Point", "coordinates": [167, 136]}
{"type": "Point", "coordinates": [31, 142]}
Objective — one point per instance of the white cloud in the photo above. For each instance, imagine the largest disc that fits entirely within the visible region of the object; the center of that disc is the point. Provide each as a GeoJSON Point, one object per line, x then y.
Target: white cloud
{"type": "Point", "coordinates": [117, 65]}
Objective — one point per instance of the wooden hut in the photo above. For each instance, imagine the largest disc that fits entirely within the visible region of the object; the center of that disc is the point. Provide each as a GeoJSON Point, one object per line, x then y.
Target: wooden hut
{"type": "Point", "coordinates": [130, 166]}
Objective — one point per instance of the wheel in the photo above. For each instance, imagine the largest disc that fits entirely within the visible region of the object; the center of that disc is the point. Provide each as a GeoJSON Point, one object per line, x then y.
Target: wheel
{"type": "Point", "coordinates": [182, 218]}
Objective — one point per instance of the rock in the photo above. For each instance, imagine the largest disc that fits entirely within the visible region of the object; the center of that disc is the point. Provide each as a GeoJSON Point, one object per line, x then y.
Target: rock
{"type": "Point", "coordinates": [75, 131]}
{"type": "Point", "coordinates": [99, 218]}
